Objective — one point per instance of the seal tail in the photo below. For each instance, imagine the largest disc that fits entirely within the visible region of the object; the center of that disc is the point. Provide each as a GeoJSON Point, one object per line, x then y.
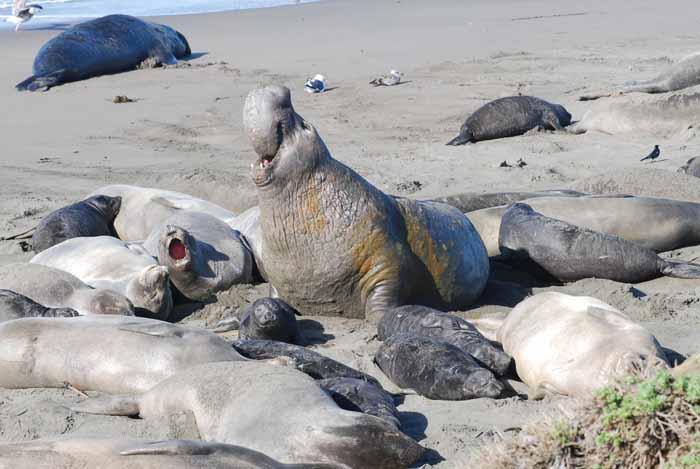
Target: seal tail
{"type": "Point", "coordinates": [458, 140]}
{"type": "Point", "coordinates": [39, 82]}
{"type": "Point", "coordinates": [679, 269]}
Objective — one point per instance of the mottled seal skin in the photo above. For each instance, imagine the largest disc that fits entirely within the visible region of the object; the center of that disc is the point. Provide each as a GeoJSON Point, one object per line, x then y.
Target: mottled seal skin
{"type": "Point", "coordinates": [55, 288]}
{"type": "Point", "coordinates": [691, 167]}
{"type": "Point", "coordinates": [93, 216]}
{"type": "Point", "coordinates": [15, 306]}
{"type": "Point", "coordinates": [109, 354]}
{"type": "Point", "coordinates": [360, 396]}
{"type": "Point", "coordinates": [424, 321]}
{"type": "Point", "coordinates": [72, 452]}
{"type": "Point", "coordinates": [276, 410]}
{"type": "Point", "coordinates": [571, 345]}
{"type": "Point", "coordinates": [435, 369]}
{"type": "Point", "coordinates": [203, 254]}
{"type": "Point", "coordinates": [509, 117]}
{"type": "Point", "coordinates": [471, 201]}
{"type": "Point", "coordinates": [312, 363]}
{"type": "Point", "coordinates": [333, 244]}
{"type": "Point", "coordinates": [111, 44]}
{"type": "Point", "coordinates": [570, 253]}
{"type": "Point", "coordinates": [269, 319]}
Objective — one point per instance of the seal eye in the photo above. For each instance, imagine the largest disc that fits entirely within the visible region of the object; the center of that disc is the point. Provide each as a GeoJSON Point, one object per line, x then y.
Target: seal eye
{"type": "Point", "coordinates": [177, 250]}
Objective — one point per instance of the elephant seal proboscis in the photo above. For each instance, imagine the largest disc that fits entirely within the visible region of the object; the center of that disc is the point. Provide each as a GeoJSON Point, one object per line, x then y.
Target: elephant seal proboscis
{"type": "Point", "coordinates": [54, 288]}
{"type": "Point", "coordinates": [471, 201]}
{"type": "Point", "coordinates": [509, 117]}
{"type": "Point", "coordinates": [93, 216]}
{"type": "Point", "coordinates": [421, 320]}
{"type": "Point", "coordinates": [270, 319]}
{"type": "Point", "coordinates": [106, 262]}
{"type": "Point", "coordinates": [333, 244]}
{"type": "Point", "coordinates": [203, 254]}
{"type": "Point", "coordinates": [360, 396]}
{"type": "Point", "coordinates": [109, 354]}
{"type": "Point", "coordinates": [272, 409]}
{"type": "Point", "coordinates": [571, 345]}
{"type": "Point", "coordinates": [691, 167]}
{"type": "Point", "coordinates": [569, 253]}
{"type": "Point", "coordinates": [111, 44]}
{"type": "Point", "coordinates": [435, 369]}
{"type": "Point", "coordinates": [15, 306]}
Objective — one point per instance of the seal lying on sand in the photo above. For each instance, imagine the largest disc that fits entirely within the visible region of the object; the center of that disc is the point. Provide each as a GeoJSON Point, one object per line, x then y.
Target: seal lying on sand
{"type": "Point", "coordinates": [270, 319]}
{"type": "Point", "coordinates": [111, 44]}
{"type": "Point", "coordinates": [93, 216]}
{"type": "Point", "coordinates": [15, 306]}
{"type": "Point", "coordinates": [106, 262]}
{"type": "Point", "coordinates": [55, 288]}
{"type": "Point", "coordinates": [570, 345]}
{"type": "Point", "coordinates": [202, 253]}
{"type": "Point", "coordinates": [691, 167]}
{"type": "Point", "coordinates": [511, 116]}
{"type": "Point", "coordinates": [109, 353]}
{"type": "Point", "coordinates": [435, 369]}
{"type": "Point", "coordinates": [571, 253]}
{"type": "Point", "coordinates": [273, 409]}
{"type": "Point", "coordinates": [248, 223]}
{"type": "Point", "coordinates": [361, 396]}
{"type": "Point", "coordinates": [334, 244]}
{"type": "Point", "coordinates": [471, 201]}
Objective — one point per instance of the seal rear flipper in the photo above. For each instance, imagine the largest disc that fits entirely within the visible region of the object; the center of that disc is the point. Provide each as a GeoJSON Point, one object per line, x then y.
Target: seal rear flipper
{"type": "Point", "coordinates": [459, 140]}
{"type": "Point", "coordinates": [38, 82]}
{"type": "Point", "coordinates": [126, 405]}
{"type": "Point", "coordinates": [679, 269]}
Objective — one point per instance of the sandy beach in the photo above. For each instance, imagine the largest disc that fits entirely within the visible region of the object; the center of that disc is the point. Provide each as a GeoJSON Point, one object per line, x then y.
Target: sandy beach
{"type": "Point", "coordinates": [184, 133]}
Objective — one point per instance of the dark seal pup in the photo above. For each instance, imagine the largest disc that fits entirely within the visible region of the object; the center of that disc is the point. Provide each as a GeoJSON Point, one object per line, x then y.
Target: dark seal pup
{"type": "Point", "coordinates": [360, 396]}
{"type": "Point", "coordinates": [508, 117]}
{"type": "Point", "coordinates": [435, 369]}
{"type": "Point", "coordinates": [269, 319]}
{"type": "Point", "coordinates": [16, 306]}
{"type": "Point", "coordinates": [569, 253]}
{"type": "Point", "coordinates": [428, 322]}
{"type": "Point", "coordinates": [93, 216]}
{"type": "Point", "coordinates": [111, 44]}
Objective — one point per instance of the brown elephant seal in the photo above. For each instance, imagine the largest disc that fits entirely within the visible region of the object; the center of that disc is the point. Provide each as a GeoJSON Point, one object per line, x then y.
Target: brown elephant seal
{"type": "Point", "coordinates": [71, 453]}
{"type": "Point", "coordinates": [203, 254]}
{"type": "Point", "coordinates": [276, 410]}
{"type": "Point", "coordinates": [109, 354]}
{"type": "Point", "coordinates": [571, 345]}
{"type": "Point", "coordinates": [691, 167]}
{"type": "Point", "coordinates": [569, 253]}
{"type": "Point", "coordinates": [333, 244]}
{"type": "Point", "coordinates": [93, 216]}
{"type": "Point", "coordinates": [54, 288]}
{"type": "Point", "coordinates": [471, 201]}
{"type": "Point", "coordinates": [15, 306]}
{"type": "Point", "coordinates": [509, 117]}
{"type": "Point", "coordinates": [107, 262]}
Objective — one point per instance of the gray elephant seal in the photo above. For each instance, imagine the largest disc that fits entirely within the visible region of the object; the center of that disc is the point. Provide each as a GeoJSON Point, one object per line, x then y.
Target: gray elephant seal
{"type": "Point", "coordinates": [111, 44]}
{"type": "Point", "coordinates": [15, 306]}
{"type": "Point", "coordinates": [571, 345]}
{"type": "Point", "coordinates": [471, 201]}
{"type": "Point", "coordinates": [93, 216]}
{"type": "Point", "coordinates": [276, 410]}
{"type": "Point", "coordinates": [248, 223]}
{"type": "Point", "coordinates": [270, 319]}
{"type": "Point", "coordinates": [424, 321]}
{"type": "Point", "coordinates": [509, 117]}
{"type": "Point", "coordinates": [571, 253]}
{"type": "Point", "coordinates": [203, 254]}
{"type": "Point", "coordinates": [106, 262]}
{"type": "Point", "coordinates": [55, 288]}
{"type": "Point", "coordinates": [109, 354]}
{"type": "Point", "coordinates": [333, 244]}
{"type": "Point", "coordinates": [69, 453]}
{"type": "Point", "coordinates": [691, 167]}
{"type": "Point", "coordinates": [360, 396]}
{"type": "Point", "coordinates": [435, 369]}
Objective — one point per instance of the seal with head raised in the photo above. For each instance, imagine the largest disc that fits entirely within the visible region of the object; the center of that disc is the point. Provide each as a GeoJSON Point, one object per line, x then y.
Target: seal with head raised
{"type": "Point", "coordinates": [15, 306]}
{"type": "Point", "coordinates": [111, 44]}
{"type": "Point", "coordinates": [334, 244]}
{"type": "Point", "coordinates": [511, 116]}
{"type": "Point", "coordinates": [93, 216]}
{"type": "Point", "coordinates": [270, 319]}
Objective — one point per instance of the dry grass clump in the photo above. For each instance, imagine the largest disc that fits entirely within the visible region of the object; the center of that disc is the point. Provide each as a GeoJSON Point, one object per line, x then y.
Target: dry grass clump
{"type": "Point", "coordinates": [640, 423]}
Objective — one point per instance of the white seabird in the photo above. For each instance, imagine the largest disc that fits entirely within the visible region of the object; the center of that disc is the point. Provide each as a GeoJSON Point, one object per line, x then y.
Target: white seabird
{"type": "Point", "coordinates": [316, 84]}
{"type": "Point", "coordinates": [390, 79]}
{"type": "Point", "coordinates": [21, 12]}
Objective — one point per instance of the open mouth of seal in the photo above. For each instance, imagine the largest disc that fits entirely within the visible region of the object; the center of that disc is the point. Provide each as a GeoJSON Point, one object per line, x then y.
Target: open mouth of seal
{"type": "Point", "coordinates": [262, 170]}
{"type": "Point", "coordinates": [177, 250]}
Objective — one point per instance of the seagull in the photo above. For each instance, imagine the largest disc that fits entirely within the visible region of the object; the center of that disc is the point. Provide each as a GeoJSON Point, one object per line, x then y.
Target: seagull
{"type": "Point", "coordinates": [653, 155]}
{"type": "Point", "coordinates": [316, 84]}
{"type": "Point", "coordinates": [21, 12]}
{"type": "Point", "coordinates": [390, 79]}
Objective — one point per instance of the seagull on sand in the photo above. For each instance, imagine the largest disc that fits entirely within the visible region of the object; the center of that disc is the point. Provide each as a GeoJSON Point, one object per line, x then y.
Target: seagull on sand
{"type": "Point", "coordinates": [21, 12]}
{"type": "Point", "coordinates": [316, 84]}
{"type": "Point", "coordinates": [390, 79]}
{"type": "Point", "coordinates": [653, 155]}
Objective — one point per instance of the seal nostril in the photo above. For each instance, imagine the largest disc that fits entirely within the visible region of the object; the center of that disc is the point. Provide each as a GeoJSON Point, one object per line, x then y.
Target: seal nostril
{"type": "Point", "coordinates": [177, 250]}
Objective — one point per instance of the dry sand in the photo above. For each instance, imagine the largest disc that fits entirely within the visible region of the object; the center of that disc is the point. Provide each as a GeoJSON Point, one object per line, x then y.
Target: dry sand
{"type": "Point", "coordinates": [184, 133]}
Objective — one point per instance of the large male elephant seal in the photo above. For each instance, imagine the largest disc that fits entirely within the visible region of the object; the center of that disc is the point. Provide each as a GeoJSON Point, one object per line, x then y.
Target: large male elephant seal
{"type": "Point", "coordinates": [54, 288]}
{"type": "Point", "coordinates": [571, 345]}
{"type": "Point", "coordinates": [106, 262]}
{"type": "Point", "coordinates": [93, 216]}
{"type": "Point", "coordinates": [111, 44]}
{"type": "Point", "coordinates": [471, 201]}
{"type": "Point", "coordinates": [511, 116]}
{"type": "Point", "coordinates": [16, 306]}
{"type": "Point", "coordinates": [570, 253]}
{"type": "Point", "coordinates": [272, 409]}
{"type": "Point", "coordinates": [110, 354]}
{"type": "Point", "coordinates": [203, 254]}
{"type": "Point", "coordinates": [334, 244]}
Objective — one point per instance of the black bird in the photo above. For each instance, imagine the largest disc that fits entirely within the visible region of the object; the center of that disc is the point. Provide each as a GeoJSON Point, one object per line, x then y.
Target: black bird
{"type": "Point", "coordinates": [653, 155]}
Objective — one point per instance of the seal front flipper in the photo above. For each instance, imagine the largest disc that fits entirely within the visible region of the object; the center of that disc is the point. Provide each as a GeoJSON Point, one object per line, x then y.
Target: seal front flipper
{"type": "Point", "coordinates": [38, 82]}
{"type": "Point", "coordinates": [126, 405]}
{"type": "Point", "coordinates": [679, 269]}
